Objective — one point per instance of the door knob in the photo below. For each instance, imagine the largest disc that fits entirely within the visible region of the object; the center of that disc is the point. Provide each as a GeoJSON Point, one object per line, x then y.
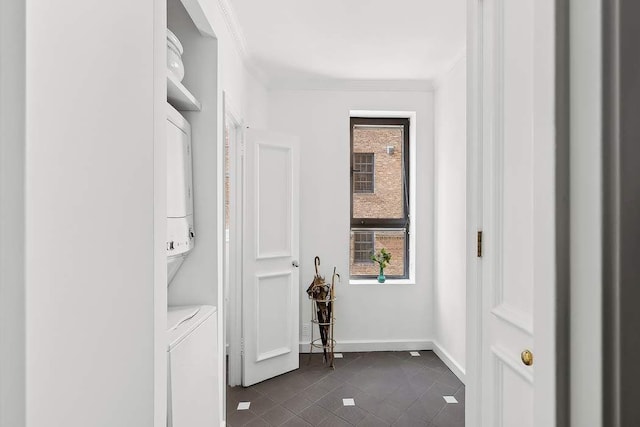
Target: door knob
{"type": "Point", "coordinates": [527, 357]}
{"type": "Point", "coordinates": [295, 263]}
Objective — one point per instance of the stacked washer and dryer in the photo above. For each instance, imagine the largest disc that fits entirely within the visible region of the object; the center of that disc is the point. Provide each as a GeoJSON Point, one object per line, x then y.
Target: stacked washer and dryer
{"type": "Point", "coordinates": [192, 354]}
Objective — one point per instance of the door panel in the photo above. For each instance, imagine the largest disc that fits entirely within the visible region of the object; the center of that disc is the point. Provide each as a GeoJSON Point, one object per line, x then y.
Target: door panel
{"type": "Point", "coordinates": [270, 246]}
{"type": "Point", "coordinates": [273, 290]}
{"type": "Point", "coordinates": [273, 164]}
{"type": "Point", "coordinates": [517, 167]}
{"type": "Point", "coordinates": [516, 394]}
{"type": "Point", "coordinates": [514, 122]}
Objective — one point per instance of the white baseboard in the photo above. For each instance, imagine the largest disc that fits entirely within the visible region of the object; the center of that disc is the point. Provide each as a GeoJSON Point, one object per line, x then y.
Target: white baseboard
{"type": "Point", "coordinates": [395, 345]}
{"type": "Point", "coordinates": [449, 361]}
{"type": "Point", "coordinates": [374, 345]}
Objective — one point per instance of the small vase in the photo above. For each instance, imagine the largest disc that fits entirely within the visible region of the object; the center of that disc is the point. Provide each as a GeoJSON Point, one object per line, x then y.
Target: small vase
{"type": "Point", "coordinates": [381, 277]}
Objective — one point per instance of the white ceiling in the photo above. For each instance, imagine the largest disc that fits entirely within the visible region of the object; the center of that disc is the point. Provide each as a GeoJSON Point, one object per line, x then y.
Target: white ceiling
{"type": "Point", "coordinates": [297, 41]}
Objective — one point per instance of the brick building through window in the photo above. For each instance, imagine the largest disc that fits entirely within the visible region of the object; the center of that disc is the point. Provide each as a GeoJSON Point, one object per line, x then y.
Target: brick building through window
{"type": "Point", "coordinates": [379, 195]}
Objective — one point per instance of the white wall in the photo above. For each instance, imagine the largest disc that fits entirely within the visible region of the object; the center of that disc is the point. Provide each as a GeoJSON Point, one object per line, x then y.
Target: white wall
{"type": "Point", "coordinates": [243, 84]}
{"type": "Point", "coordinates": [246, 94]}
{"type": "Point", "coordinates": [82, 332]}
{"type": "Point", "coordinates": [368, 316]}
{"type": "Point", "coordinates": [12, 231]}
{"type": "Point", "coordinates": [449, 307]}
{"type": "Point", "coordinates": [91, 115]}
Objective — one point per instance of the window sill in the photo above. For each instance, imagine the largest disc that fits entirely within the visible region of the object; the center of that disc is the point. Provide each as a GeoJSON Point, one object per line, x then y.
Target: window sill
{"type": "Point", "coordinates": [387, 282]}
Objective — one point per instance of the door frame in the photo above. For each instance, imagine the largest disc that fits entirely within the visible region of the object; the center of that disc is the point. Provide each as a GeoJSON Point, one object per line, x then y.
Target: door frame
{"type": "Point", "coordinates": [620, 230]}
{"type": "Point", "coordinates": [475, 146]}
{"type": "Point", "coordinates": [233, 299]}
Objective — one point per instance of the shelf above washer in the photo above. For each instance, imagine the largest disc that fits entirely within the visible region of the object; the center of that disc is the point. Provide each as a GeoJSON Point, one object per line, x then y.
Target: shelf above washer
{"type": "Point", "coordinates": [180, 97]}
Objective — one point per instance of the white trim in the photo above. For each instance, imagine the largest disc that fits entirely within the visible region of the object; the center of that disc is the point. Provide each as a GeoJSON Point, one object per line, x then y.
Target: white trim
{"type": "Point", "coordinates": [273, 353]}
{"type": "Point", "coordinates": [199, 17]}
{"type": "Point", "coordinates": [411, 115]}
{"type": "Point", "coordinates": [473, 399]}
{"type": "Point", "coordinates": [261, 147]}
{"type": "Point", "coordinates": [437, 82]}
{"type": "Point", "coordinates": [383, 113]}
{"type": "Point", "coordinates": [219, 141]}
{"type": "Point", "coordinates": [328, 84]}
{"type": "Point", "coordinates": [515, 317]}
{"type": "Point", "coordinates": [375, 345]}
{"type": "Point", "coordinates": [321, 84]}
{"type": "Point", "coordinates": [264, 355]}
{"type": "Point", "coordinates": [451, 363]}
{"type": "Point", "coordinates": [234, 27]}
{"type": "Point", "coordinates": [239, 40]}
{"type": "Point", "coordinates": [234, 339]}
{"type": "Point", "coordinates": [374, 282]}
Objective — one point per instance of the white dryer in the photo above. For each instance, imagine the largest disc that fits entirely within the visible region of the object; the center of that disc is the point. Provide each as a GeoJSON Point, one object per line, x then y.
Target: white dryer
{"type": "Point", "coordinates": [180, 229]}
{"type": "Point", "coordinates": [192, 367]}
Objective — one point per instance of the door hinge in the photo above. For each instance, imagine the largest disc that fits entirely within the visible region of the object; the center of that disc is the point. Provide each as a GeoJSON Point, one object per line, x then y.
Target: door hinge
{"type": "Point", "coordinates": [479, 243]}
{"type": "Point", "coordinates": [241, 346]}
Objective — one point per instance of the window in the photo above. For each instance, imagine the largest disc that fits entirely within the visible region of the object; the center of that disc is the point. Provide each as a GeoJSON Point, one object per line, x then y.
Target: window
{"type": "Point", "coordinates": [379, 195]}
{"type": "Point", "coordinates": [363, 173]}
{"type": "Point", "coordinates": [364, 246]}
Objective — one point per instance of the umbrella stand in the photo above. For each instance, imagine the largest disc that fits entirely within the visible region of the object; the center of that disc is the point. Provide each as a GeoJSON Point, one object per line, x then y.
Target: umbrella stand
{"type": "Point", "coordinates": [331, 319]}
{"type": "Point", "coordinates": [325, 321]}
{"type": "Point", "coordinates": [318, 291]}
{"type": "Point", "coordinates": [322, 297]}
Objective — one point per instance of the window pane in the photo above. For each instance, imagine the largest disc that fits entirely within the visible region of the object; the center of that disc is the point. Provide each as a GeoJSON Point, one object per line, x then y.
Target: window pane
{"type": "Point", "coordinates": [363, 242]}
{"type": "Point", "coordinates": [378, 185]}
{"type": "Point", "coordinates": [363, 165]}
{"type": "Point", "coordinates": [363, 246]}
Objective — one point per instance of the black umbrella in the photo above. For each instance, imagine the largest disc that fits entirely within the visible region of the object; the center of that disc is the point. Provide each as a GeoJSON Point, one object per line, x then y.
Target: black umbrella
{"type": "Point", "coordinates": [318, 290]}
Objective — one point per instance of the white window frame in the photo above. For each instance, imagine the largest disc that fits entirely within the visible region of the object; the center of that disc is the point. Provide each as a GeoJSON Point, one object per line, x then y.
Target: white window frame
{"type": "Point", "coordinates": [411, 115]}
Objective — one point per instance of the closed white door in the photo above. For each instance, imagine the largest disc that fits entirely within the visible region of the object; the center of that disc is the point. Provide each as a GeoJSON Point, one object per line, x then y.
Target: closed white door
{"type": "Point", "coordinates": [271, 284]}
{"type": "Point", "coordinates": [517, 213]}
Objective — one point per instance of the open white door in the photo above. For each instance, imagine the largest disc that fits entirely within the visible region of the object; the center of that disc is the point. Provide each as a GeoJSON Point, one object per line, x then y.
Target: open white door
{"type": "Point", "coordinates": [512, 79]}
{"type": "Point", "coordinates": [270, 245]}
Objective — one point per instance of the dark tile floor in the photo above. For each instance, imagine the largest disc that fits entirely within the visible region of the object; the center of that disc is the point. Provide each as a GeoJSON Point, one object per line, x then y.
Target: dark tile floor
{"type": "Point", "coordinates": [389, 388]}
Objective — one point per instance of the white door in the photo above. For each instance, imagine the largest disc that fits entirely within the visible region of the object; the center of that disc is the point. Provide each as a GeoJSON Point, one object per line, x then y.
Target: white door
{"type": "Point", "coordinates": [516, 211]}
{"type": "Point", "coordinates": [270, 302]}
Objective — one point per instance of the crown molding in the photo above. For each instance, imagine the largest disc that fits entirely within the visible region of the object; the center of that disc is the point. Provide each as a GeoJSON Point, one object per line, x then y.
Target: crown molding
{"type": "Point", "coordinates": [240, 43]}
{"type": "Point", "coordinates": [239, 40]}
{"type": "Point", "coordinates": [437, 82]}
{"type": "Point", "coordinates": [233, 24]}
{"type": "Point", "coordinates": [352, 85]}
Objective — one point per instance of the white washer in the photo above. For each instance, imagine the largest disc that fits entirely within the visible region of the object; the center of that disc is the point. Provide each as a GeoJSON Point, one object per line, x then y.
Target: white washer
{"type": "Point", "coordinates": [192, 366]}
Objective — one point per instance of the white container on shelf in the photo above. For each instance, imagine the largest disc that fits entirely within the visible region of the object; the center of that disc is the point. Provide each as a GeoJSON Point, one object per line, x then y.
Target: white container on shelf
{"type": "Point", "coordinates": [174, 56]}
